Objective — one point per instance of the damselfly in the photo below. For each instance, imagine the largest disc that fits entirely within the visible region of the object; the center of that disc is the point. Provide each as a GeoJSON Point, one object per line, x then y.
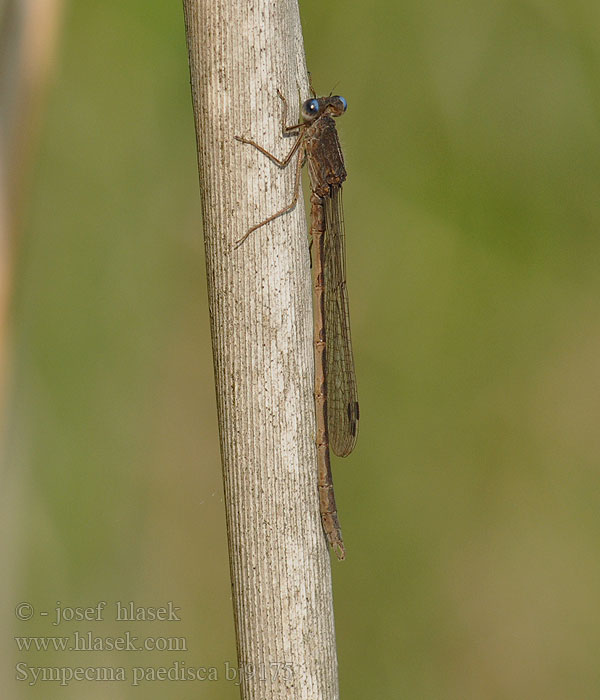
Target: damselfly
{"type": "Point", "coordinates": [336, 398]}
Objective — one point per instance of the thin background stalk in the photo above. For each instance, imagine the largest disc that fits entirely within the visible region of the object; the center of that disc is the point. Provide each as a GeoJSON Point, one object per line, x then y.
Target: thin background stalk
{"type": "Point", "coordinates": [261, 325]}
{"type": "Point", "coordinates": [29, 32]}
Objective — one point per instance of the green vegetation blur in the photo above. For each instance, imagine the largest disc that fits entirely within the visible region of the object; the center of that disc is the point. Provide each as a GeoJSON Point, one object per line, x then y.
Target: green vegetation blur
{"type": "Point", "coordinates": [470, 506]}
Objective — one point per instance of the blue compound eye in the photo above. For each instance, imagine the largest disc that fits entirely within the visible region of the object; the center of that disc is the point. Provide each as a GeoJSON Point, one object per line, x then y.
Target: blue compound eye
{"type": "Point", "coordinates": [310, 109]}
{"type": "Point", "coordinates": [344, 103]}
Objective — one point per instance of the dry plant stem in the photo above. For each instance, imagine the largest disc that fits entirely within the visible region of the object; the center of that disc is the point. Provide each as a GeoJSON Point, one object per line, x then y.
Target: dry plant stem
{"type": "Point", "coordinates": [261, 326]}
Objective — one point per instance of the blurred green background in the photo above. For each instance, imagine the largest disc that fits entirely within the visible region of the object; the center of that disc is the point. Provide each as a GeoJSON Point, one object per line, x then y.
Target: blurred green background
{"type": "Point", "coordinates": [470, 507]}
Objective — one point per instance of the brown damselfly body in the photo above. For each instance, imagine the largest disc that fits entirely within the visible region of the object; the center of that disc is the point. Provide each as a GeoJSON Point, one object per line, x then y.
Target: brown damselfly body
{"type": "Point", "coordinates": [336, 400]}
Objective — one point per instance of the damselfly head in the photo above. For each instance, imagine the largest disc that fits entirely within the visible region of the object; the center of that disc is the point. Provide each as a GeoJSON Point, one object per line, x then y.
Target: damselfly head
{"type": "Point", "coordinates": [316, 106]}
{"type": "Point", "coordinates": [334, 105]}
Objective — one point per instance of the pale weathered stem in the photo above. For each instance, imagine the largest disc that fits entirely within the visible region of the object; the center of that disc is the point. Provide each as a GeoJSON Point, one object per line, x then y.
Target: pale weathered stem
{"type": "Point", "coordinates": [261, 324]}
